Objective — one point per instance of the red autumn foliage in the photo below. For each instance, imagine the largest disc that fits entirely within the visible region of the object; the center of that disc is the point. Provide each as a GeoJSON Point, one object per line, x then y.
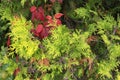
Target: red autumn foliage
{"type": "Point", "coordinates": [48, 23]}
{"type": "Point", "coordinates": [44, 33]}
{"type": "Point", "coordinates": [41, 31]}
{"type": "Point", "coordinates": [58, 22]}
{"type": "Point", "coordinates": [39, 28]}
{"type": "Point", "coordinates": [37, 13]}
{"type": "Point", "coordinates": [58, 15]}
{"type": "Point", "coordinates": [48, 17]}
{"type": "Point", "coordinates": [32, 9]}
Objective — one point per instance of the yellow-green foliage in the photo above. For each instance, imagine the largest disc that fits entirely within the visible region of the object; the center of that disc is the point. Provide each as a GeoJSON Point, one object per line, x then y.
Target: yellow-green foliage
{"type": "Point", "coordinates": [63, 46]}
{"type": "Point", "coordinates": [104, 27]}
{"type": "Point", "coordinates": [62, 43]}
{"type": "Point", "coordinates": [22, 41]}
{"type": "Point", "coordinates": [90, 51]}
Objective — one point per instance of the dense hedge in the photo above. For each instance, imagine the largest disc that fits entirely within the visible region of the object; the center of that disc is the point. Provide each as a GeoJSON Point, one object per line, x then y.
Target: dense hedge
{"type": "Point", "coordinates": [59, 40]}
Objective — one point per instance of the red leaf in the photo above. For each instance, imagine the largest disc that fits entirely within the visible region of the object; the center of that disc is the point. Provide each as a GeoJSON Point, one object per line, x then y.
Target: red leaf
{"type": "Point", "coordinates": [41, 10]}
{"type": "Point", "coordinates": [39, 28]}
{"type": "Point", "coordinates": [33, 15]}
{"type": "Point", "coordinates": [48, 28]}
{"type": "Point", "coordinates": [51, 21]}
{"type": "Point", "coordinates": [58, 15]}
{"type": "Point", "coordinates": [38, 14]}
{"type": "Point", "coordinates": [45, 24]}
{"type": "Point", "coordinates": [48, 17]}
{"type": "Point", "coordinates": [34, 32]}
{"type": "Point", "coordinates": [32, 9]}
{"type": "Point", "coordinates": [44, 33]}
{"type": "Point", "coordinates": [59, 22]}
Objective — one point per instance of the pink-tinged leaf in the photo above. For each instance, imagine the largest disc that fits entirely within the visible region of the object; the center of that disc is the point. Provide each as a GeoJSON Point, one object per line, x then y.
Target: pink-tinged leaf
{"type": "Point", "coordinates": [44, 33]}
{"type": "Point", "coordinates": [45, 24]}
{"type": "Point", "coordinates": [39, 28]}
{"type": "Point", "coordinates": [60, 1]}
{"type": "Point", "coordinates": [52, 1]}
{"type": "Point", "coordinates": [32, 9]}
{"type": "Point", "coordinates": [8, 42]}
{"type": "Point", "coordinates": [48, 29]}
{"type": "Point", "coordinates": [51, 21]}
{"type": "Point", "coordinates": [58, 15]}
{"type": "Point", "coordinates": [48, 17]}
{"type": "Point", "coordinates": [33, 17]}
{"type": "Point", "coordinates": [34, 32]}
{"type": "Point", "coordinates": [40, 16]}
{"type": "Point", "coordinates": [40, 10]}
{"type": "Point", "coordinates": [58, 22]}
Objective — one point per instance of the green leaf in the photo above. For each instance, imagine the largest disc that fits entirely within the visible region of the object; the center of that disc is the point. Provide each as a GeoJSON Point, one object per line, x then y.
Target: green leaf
{"type": "Point", "coordinates": [23, 2]}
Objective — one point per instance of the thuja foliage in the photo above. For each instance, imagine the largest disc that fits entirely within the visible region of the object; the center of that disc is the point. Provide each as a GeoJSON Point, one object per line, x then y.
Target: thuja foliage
{"type": "Point", "coordinates": [3, 30]}
{"type": "Point", "coordinates": [59, 40]}
{"type": "Point", "coordinates": [22, 41]}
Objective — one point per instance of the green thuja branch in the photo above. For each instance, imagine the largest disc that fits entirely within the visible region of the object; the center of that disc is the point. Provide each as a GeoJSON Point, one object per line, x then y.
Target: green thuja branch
{"type": "Point", "coordinates": [65, 46]}
{"type": "Point", "coordinates": [101, 29]}
{"type": "Point", "coordinates": [21, 38]}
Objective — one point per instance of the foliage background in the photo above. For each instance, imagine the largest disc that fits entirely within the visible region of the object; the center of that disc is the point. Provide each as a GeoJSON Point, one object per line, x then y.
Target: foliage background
{"type": "Point", "coordinates": [86, 46]}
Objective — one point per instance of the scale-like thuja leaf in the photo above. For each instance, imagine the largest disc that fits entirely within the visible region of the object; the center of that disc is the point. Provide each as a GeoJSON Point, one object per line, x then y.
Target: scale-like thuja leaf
{"type": "Point", "coordinates": [21, 38]}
